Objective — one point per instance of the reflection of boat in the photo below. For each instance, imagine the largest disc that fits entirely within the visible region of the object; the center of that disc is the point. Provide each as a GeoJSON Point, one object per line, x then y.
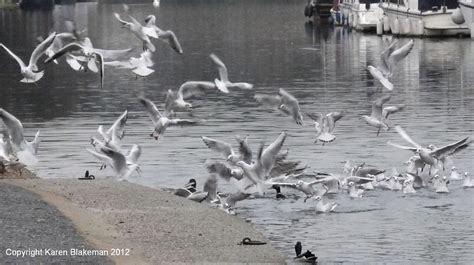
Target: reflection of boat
{"type": "Point", "coordinates": [336, 14]}
{"type": "Point", "coordinates": [422, 17]}
{"type": "Point", "coordinates": [318, 9]}
{"type": "Point", "coordinates": [361, 15]}
{"type": "Point", "coordinates": [26, 4]}
{"type": "Point", "coordinates": [467, 9]}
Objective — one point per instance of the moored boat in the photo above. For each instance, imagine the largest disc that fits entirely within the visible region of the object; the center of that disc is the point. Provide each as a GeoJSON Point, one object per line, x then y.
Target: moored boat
{"type": "Point", "coordinates": [361, 15]}
{"type": "Point", "coordinates": [422, 18]}
{"type": "Point", "coordinates": [467, 11]}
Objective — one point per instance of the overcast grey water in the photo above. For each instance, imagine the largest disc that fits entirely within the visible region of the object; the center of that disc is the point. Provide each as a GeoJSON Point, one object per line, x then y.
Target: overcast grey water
{"type": "Point", "coordinates": [270, 44]}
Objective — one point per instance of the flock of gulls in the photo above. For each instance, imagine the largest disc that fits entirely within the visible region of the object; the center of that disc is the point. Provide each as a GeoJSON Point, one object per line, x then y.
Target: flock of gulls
{"type": "Point", "coordinates": [251, 172]}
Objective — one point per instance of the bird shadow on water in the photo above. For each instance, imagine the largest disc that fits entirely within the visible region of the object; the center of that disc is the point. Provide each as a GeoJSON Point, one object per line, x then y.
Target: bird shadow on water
{"type": "Point", "coordinates": [441, 207]}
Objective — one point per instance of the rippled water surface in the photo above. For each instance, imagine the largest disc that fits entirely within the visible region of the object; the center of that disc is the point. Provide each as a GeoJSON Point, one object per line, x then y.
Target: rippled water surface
{"type": "Point", "coordinates": [266, 43]}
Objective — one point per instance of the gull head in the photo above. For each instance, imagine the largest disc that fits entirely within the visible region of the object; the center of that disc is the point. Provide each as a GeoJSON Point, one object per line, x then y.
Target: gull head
{"type": "Point", "coordinates": [431, 147]}
{"type": "Point", "coordinates": [465, 175]}
{"type": "Point", "coordinates": [150, 18]}
{"type": "Point", "coordinates": [453, 168]}
{"type": "Point", "coordinates": [350, 184]}
{"type": "Point", "coordinates": [317, 198]}
{"type": "Point", "coordinates": [299, 183]}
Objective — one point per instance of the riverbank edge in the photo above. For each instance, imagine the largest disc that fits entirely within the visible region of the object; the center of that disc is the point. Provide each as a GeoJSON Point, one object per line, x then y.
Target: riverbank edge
{"type": "Point", "coordinates": [99, 227]}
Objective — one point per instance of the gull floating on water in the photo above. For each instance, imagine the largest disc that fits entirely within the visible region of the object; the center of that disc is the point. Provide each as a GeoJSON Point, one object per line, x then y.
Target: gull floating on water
{"type": "Point", "coordinates": [325, 124]}
{"type": "Point", "coordinates": [441, 186]}
{"type": "Point", "coordinates": [408, 187]}
{"type": "Point", "coordinates": [284, 102]}
{"type": "Point", "coordinates": [455, 174]}
{"type": "Point", "coordinates": [380, 114]}
{"type": "Point", "coordinates": [160, 121]}
{"type": "Point", "coordinates": [322, 207]}
{"type": "Point", "coordinates": [468, 182]}
{"type": "Point", "coordinates": [354, 192]}
{"type": "Point", "coordinates": [166, 36]}
{"type": "Point", "coordinates": [30, 71]}
{"type": "Point", "coordinates": [224, 82]}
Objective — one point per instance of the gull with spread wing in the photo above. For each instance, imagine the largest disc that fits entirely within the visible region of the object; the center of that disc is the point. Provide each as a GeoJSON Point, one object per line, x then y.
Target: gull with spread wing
{"type": "Point", "coordinates": [325, 124]}
{"type": "Point", "coordinates": [166, 36]}
{"type": "Point", "coordinates": [284, 102]}
{"type": "Point", "coordinates": [139, 66]}
{"type": "Point", "coordinates": [430, 156]}
{"type": "Point", "coordinates": [122, 165]}
{"type": "Point", "coordinates": [226, 149]}
{"type": "Point", "coordinates": [26, 151]}
{"type": "Point", "coordinates": [160, 121]}
{"type": "Point", "coordinates": [224, 82]}
{"type": "Point", "coordinates": [175, 99]}
{"type": "Point", "coordinates": [30, 71]}
{"type": "Point", "coordinates": [141, 32]}
{"type": "Point", "coordinates": [380, 114]}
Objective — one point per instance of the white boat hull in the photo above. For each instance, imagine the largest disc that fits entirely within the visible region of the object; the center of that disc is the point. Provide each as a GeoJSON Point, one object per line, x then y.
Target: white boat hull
{"type": "Point", "coordinates": [467, 9]}
{"type": "Point", "coordinates": [405, 21]}
{"type": "Point", "coordinates": [358, 17]}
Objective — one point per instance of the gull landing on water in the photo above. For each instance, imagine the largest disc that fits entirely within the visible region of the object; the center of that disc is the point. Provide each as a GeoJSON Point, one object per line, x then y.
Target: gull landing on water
{"type": "Point", "coordinates": [160, 121]}
{"type": "Point", "coordinates": [325, 124]}
{"type": "Point", "coordinates": [30, 71]}
{"type": "Point", "coordinates": [468, 182]}
{"type": "Point", "coordinates": [26, 151]}
{"type": "Point", "coordinates": [322, 207]}
{"type": "Point", "coordinates": [223, 83]}
{"type": "Point", "coordinates": [380, 114]}
{"type": "Point", "coordinates": [430, 156]}
{"type": "Point", "coordinates": [284, 102]}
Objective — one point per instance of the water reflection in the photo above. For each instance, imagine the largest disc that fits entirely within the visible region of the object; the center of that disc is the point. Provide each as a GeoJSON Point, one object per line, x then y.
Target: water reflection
{"type": "Point", "coordinates": [266, 43]}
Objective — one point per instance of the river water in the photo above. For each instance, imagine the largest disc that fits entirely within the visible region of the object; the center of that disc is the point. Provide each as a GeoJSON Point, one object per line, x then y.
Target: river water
{"type": "Point", "coordinates": [267, 43]}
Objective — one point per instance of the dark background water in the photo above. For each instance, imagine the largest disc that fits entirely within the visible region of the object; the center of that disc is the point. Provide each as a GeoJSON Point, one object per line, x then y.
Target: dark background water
{"type": "Point", "coordinates": [269, 44]}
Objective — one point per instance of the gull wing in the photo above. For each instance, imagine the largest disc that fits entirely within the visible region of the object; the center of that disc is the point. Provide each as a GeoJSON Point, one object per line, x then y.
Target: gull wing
{"type": "Point", "coordinates": [271, 101]}
{"type": "Point", "coordinates": [400, 54]}
{"type": "Point", "coordinates": [377, 74]}
{"type": "Point", "coordinates": [244, 149]}
{"type": "Point", "coordinates": [102, 157]}
{"type": "Point", "coordinates": [14, 127]}
{"type": "Point", "coordinates": [269, 155]}
{"type": "Point", "coordinates": [221, 67]}
{"type": "Point", "coordinates": [292, 104]}
{"type": "Point", "coordinates": [118, 128]}
{"type": "Point", "coordinates": [194, 88]}
{"type": "Point", "coordinates": [151, 109]}
{"type": "Point", "coordinates": [19, 61]}
{"type": "Point", "coordinates": [451, 149]}
{"type": "Point", "coordinates": [210, 186]}
{"type": "Point", "coordinates": [151, 32]}
{"type": "Point", "coordinates": [71, 47]}
{"type": "Point", "coordinates": [392, 109]}
{"type": "Point", "coordinates": [119, 160]}
{"type": "Point", "coordinates": [117, 16]}
{"type": "Point", "coordinates": [222, 170]}
{"type": "Point", "coordinates": [134, 153]}
{"type": "Point", "coordinates": [171, 39]}
{"type": "Point", "coordinates": [218, 146]}
{"type": "Point", "coordinates": [115, 55]}
{"type": "Point", "coordinates": [182, 122]}
{"type": "Point", "coordinates": [317, 117]}
{"type": "Point", "coordinates": [385, 68]}
{"type": "Point", "coordinates": [377, 106]}
{"type": "Point", "coordinates": [405, 136]}
{"type": "Point", "coordinates": [40, 49]}
{"type": "Point", "coordinates": [413, 149]}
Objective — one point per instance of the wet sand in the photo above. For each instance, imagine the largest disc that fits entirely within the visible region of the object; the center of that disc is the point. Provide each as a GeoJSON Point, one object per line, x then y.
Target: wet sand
{"type": "Point", "coordinates": [155, 226]}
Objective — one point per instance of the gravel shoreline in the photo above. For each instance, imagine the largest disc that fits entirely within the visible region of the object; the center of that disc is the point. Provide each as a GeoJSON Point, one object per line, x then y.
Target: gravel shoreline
{"type": "Point", "coordinates": [155, 226]}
